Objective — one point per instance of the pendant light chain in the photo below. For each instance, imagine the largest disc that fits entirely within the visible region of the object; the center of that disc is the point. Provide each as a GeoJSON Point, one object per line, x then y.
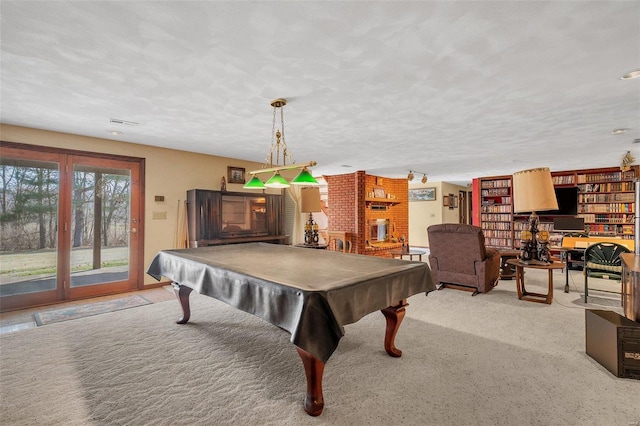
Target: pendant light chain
{"type": "Point", "coordinates": [285, 151]}
{"type": "Point", "coordinates": [278, 142]}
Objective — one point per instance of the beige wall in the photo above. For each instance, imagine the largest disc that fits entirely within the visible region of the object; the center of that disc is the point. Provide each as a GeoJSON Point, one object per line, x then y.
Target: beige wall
{"type": "Point", "coordinates": [423, 214]}
{"type": "Point", "coordinates": [167, 172]}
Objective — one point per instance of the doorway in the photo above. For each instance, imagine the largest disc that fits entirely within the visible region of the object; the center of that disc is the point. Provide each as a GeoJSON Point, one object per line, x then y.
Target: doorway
{"type": "Point", "coordinates": [462, 210]}
{"type": "Point", "coordinates": [71, 225]}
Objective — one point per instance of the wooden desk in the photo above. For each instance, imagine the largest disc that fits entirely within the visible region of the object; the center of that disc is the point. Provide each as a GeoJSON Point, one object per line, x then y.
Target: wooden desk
{"type": "Point", "coordinates": [312, 294]}
{"type": "Point", "coordinates": [412, 252]}
{"type": "Point", "coordinates": [567, 253]}
{"type": "Point", "coordinates": [582, 243]}
{"type": "Point", "coordinates": [523, 294]}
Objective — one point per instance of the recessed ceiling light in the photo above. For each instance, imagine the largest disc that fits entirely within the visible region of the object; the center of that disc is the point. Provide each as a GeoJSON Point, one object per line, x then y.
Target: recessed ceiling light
{"type": "Point", "coordinates": [114, 132]}
{"type": "Point", "coordinates": [630, 75]}
{"type": "Point", "coordinates": [618, 131]}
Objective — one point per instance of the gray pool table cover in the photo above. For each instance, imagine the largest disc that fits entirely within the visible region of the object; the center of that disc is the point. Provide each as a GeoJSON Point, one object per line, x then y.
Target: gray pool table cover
{"type": "Point", "coordinates": [310, 293]}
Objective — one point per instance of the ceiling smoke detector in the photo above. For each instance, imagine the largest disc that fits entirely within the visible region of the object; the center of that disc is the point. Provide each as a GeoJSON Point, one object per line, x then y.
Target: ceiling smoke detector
{"type": "Point", "coordinates": [618, 131]}
{"type": "Point", "coordinates": [123, 122]}
{"type": "Point", "coordinates": [630, 75]}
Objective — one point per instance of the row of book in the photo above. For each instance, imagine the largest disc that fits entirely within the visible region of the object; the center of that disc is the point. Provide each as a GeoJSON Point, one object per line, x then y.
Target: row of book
{"type": "Point", "coordinates": [495, 192]}
{"type": "Point", "coordinates": [607, 218]}
{"type": "Point", "coordinates": [542, 226]}
{"type": "Point", "coordinates": [606, 198]}
{"type": "Point", "coordinates": [488, 217]}
{"type": "Point", "coordinates": [496, 208]}
{"type": "Point", "coordinates": [498, 242]}
{"type": "Point", "coordinates": [606, 187]}
{"type": "Point", "coordinates": [492, 233]}
{"type": "Point", "coordinates": [609, 229]}
{"type": "Point", "coordinates": [497, 200]}
{"type": "Point", "coordinates": [606, 208]}
{"type": "Point", "coordinates": [607, 177]}
{"type": "Point", "coordinates": [563, 180]}
{"type": "Point", "coordinates": [496, 183]}
{"type": "Point", "coordinates": [497, 225]}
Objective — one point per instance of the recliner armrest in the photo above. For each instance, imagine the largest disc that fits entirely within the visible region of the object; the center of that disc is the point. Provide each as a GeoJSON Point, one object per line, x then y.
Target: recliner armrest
{"type": "Point", "coordinates": [491, 252]}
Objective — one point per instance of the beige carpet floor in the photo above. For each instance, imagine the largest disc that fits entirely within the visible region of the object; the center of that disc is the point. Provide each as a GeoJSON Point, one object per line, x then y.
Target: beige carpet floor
{"type": "Point", "coordinates": [485, 360]}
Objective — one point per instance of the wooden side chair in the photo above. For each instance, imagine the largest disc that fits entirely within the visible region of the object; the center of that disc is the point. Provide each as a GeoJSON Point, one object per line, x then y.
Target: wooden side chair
{"type": "Point", "coordinates": [340, 241]}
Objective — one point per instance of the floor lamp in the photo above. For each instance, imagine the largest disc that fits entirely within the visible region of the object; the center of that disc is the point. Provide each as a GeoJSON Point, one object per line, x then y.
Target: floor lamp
{"type": "Point", "coordinates": [310, 203]}
{"type": "Point", "coordinates": [533, 192]}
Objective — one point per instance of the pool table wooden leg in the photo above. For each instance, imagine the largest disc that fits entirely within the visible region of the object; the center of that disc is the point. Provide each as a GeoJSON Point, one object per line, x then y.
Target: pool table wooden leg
{"type": "Point", "coordinates": [394, 316]}
{"type": "Point", "coordinates": [182, 292]}
{"type": "Point", "coordinates": [313, 368]}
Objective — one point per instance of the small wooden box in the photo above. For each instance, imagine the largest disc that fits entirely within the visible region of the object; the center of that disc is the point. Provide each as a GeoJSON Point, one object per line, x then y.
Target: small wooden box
{"type": "Point", "coordinates": [613, 341]}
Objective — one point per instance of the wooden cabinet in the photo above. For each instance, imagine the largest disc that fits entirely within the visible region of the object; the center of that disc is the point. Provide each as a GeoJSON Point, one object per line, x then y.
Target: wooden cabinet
{"type": "Point", "coordinates": [216, 217]}
{"type": "Point", "coordinates": [631, 286]}
{"type": "Point", "coordinates": [605, 199]}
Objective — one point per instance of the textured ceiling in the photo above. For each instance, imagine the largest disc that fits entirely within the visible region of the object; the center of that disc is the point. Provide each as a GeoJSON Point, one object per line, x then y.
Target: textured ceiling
{"type": "Point", "coordinates": [453, 89]}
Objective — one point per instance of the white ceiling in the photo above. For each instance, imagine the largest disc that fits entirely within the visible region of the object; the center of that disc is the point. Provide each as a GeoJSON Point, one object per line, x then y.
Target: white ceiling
{"type": "Point", "coordinates": [449, 88]}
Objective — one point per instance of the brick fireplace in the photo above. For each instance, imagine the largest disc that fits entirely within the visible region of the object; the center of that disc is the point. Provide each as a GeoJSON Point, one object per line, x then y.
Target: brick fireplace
{"type": "Point", "coordinates": [356, 201]}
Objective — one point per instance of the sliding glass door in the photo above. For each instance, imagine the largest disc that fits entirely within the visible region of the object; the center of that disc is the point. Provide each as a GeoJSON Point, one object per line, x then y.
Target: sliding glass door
{"type": "Point", "coordinates": [29, 217]}
{"type": "Point", "coordinates": [70, 226]}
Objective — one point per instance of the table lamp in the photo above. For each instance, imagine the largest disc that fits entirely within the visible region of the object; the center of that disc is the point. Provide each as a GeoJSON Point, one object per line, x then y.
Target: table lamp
{"type": "Point", "coordinates": [310, 203]}
{"type": "Point", "coordinates": [533, 192]}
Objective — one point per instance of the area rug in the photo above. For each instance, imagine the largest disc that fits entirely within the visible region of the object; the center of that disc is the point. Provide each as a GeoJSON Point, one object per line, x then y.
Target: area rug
{"type": "Point", "coordinates": [89, 309]}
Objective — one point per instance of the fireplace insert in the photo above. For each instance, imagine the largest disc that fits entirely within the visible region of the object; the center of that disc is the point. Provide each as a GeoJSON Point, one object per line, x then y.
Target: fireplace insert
{"type": "Point", "coordinates": [378, 230]}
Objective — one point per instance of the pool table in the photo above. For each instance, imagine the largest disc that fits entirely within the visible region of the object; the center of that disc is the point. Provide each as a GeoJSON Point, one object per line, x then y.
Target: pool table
{"type": "Point", "coordinates": [310, 293]}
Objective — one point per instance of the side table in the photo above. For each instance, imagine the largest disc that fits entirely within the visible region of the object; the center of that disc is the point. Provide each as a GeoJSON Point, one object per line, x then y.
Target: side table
{"type": "Point", "coordinates": [507, 271]}
{"type": "Point", "coordinates": [412, 252]}
{"type": "Point", "coordinates": [523, 294]}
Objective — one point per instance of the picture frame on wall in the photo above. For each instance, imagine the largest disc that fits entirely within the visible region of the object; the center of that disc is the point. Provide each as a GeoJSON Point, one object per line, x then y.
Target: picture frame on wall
{"type": "Point", "coordinates": [446, 200]}
{"type": "Point", "coordinates": [379, 193]}
{"type": "Point", "coordinates": [422, 194]}
{"type": "Point", "coordinates": [453, 201]}
{"type": "Point", "coordinates": [235, 174]}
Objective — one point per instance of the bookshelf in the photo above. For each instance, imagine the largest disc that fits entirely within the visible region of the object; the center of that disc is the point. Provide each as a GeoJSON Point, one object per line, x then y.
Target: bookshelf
{"type": "Point", "coordinates": [496, 211]}
{"type": "Point", "coordinates": [606, 201]}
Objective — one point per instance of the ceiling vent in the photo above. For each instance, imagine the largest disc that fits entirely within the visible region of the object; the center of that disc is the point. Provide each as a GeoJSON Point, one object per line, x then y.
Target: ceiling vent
{"type": "Point", "coordinates": [636, 141]}
{"type": "Point", "coordinates": [123, 122]}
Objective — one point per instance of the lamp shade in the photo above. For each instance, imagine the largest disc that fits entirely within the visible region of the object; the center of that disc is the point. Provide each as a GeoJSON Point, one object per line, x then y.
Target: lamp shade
{"type": "Point", "coordinates": [277, 181]}
{"type": "Point", "coordinates": [310, 200]}
{"type": "Point", "coordinates": [533, 191]}
{"type": "Point", "coordinates": [254, 183]}
{"type": "Point", "coordinates": [304, 178]}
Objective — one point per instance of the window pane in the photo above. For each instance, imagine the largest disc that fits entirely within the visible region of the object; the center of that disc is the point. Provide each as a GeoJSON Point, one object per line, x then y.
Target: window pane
{"type": "Point", "coordinates": [29, 195]}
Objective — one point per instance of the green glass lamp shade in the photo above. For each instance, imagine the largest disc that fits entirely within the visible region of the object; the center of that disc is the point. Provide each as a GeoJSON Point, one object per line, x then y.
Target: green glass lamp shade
{"type": "Point", "coordinates": [254, 183]}
{"type": "Point", "coordinates": [277, 181]}
{"type": "Point", "coordinates": [304, 178]}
